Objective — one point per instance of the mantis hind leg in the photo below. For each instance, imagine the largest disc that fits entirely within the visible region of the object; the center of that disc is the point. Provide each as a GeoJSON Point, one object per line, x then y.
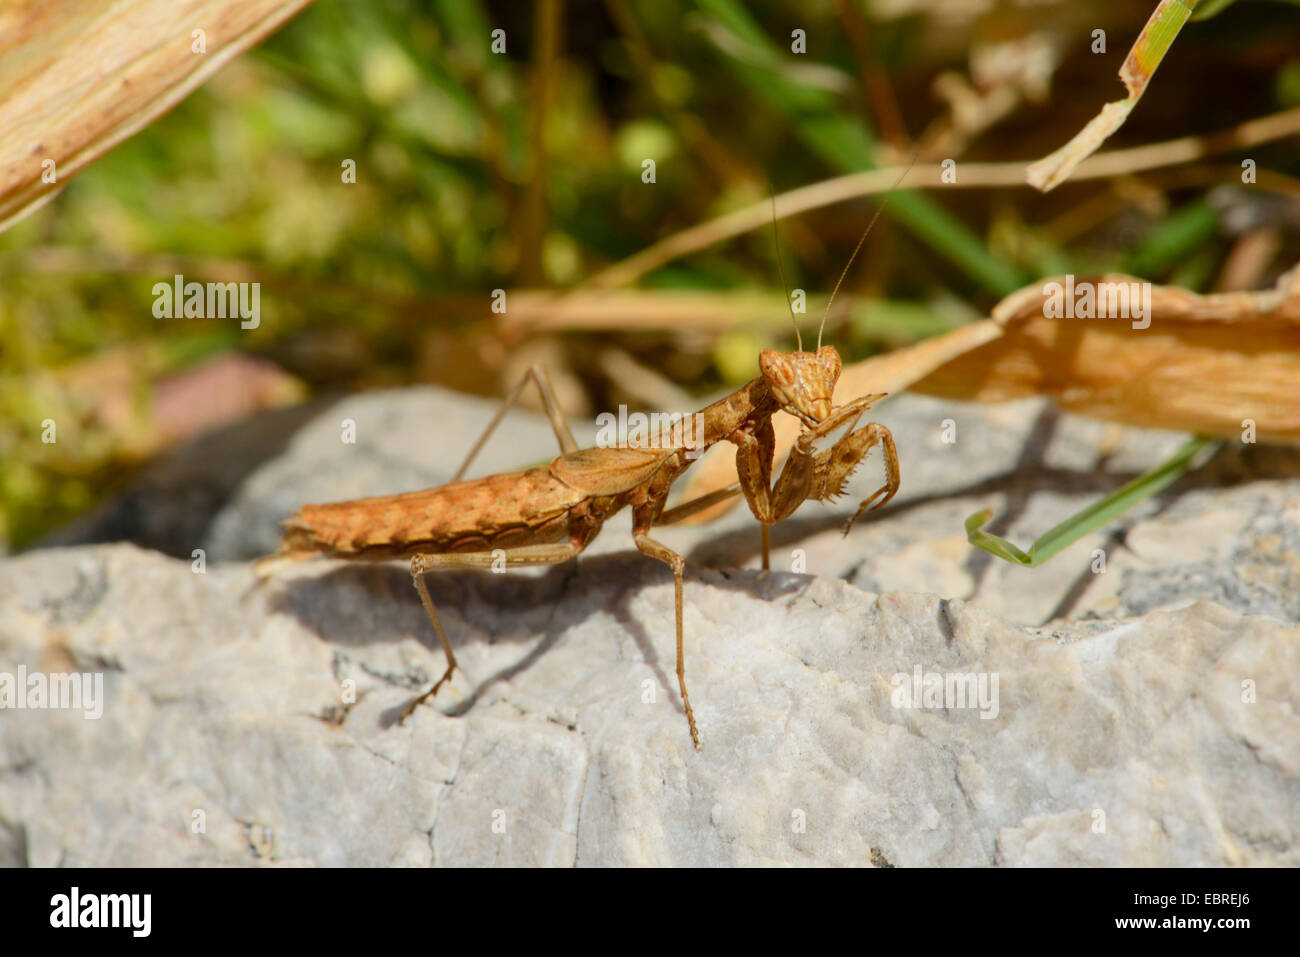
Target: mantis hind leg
{"type": "Point", "coordinates": [559, 423]}
{"type": "Point", "coordinates": [417, 576]}
{"type": "Point", "coordinates": [522, 555]}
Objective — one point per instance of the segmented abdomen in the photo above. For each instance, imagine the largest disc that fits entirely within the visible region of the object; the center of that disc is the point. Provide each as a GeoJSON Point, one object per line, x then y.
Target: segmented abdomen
{"type": "Point", "coordinates": [499, 511]}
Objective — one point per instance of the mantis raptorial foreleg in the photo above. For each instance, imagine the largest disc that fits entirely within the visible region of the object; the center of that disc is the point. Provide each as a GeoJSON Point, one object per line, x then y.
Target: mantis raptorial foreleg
{"type": "Point", "coordinates": [807, 474]}
{"type": "Point", "coordinates": [844, 457]}
{"type": "Point", "coordinates": [755, 449]}
{"type": "Point", "coordinates": [522, 555]}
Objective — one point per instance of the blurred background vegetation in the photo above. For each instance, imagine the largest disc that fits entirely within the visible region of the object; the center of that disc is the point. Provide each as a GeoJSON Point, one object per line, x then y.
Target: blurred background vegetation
{"type": "Point", "coordinates": [522, 171]}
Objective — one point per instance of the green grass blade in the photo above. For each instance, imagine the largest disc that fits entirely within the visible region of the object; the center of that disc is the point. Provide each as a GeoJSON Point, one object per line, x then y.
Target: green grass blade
{"type": "Point", "coordinates": [845, 143]}
{"type": "Point", "coordinates": [1174, 239]}
{"type": "Point", "coordinates": [1186, 459]}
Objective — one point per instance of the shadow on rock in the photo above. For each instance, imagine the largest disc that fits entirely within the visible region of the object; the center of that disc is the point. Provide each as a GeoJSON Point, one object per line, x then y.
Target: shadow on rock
{"type": "Point", "coordinates": [355, 606]}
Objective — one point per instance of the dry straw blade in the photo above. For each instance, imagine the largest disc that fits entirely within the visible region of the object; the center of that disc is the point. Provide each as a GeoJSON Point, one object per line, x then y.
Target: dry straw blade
{"type": "Point", "coordinates": [1148, 50]}
{"type": "Point", "coordinates": [79, 78]}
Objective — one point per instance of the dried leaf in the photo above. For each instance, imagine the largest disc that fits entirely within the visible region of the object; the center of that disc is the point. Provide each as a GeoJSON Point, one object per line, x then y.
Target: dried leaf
{"type": "Point", "coordinates": [79, 78]}
{"type": "Point", "coordinates": [1206, 364]}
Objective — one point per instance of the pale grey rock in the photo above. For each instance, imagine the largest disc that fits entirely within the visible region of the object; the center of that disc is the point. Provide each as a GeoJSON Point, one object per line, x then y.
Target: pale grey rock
{"type": "Point", "coordinates": [1147, 713]}
{"type": "Point", "coordinates": [1114, 742]}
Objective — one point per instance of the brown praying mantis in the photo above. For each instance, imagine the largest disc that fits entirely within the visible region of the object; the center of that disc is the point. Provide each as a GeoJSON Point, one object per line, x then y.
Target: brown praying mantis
{"type": "Point", "coordinates": [549, 514]}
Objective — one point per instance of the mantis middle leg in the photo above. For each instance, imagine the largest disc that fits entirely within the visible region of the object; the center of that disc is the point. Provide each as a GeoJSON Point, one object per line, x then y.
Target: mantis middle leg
{"type": "Point", "coordinates": [643, 517]}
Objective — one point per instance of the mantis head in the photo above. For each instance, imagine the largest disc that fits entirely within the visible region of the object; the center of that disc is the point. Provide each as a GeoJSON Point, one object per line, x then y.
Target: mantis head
{"type": "Point", "coordinates": [802, 382]}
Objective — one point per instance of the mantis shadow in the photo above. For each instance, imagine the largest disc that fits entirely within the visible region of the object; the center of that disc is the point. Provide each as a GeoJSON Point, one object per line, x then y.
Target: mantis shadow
{"type": "Point", "coordinates": [473, 605]}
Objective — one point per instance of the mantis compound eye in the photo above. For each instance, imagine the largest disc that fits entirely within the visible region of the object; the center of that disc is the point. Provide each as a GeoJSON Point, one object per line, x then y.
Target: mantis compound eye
{"type": "Point", "coordinates": [831, 360]}
{"type": "Point", "coordinates": [777, 368]}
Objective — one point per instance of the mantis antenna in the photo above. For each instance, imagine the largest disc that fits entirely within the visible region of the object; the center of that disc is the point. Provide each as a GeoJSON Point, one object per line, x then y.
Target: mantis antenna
{"type": "Point", "coordinates": [861, 239]}
{"type": "Point", "coordinates": [776, 240]}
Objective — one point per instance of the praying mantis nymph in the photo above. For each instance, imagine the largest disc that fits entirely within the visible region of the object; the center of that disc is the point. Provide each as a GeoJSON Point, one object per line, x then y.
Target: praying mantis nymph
{"type": "Point", "coordinates": [549, 514]}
